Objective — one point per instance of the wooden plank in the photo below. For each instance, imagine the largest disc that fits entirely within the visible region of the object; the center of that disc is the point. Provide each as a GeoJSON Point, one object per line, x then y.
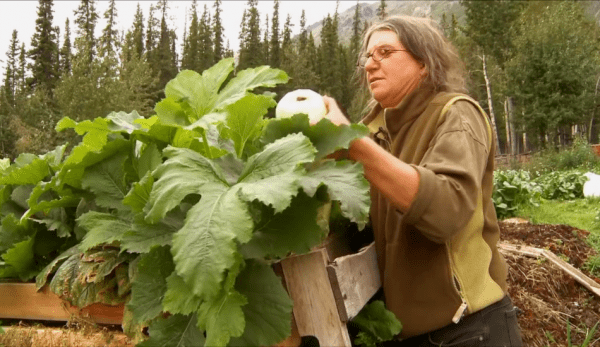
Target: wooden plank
{"type": "Point", "coordinates": [315, 310]}
{"type": "Point", "coordinates": [23, 301]}
{"type": "Point", "coordinates": [579, 276]}
{"type": "Point", "coordinates": [355, 279]}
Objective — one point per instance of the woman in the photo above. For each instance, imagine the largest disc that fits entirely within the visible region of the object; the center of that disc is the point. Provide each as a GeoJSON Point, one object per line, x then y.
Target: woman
{"type": "Point", "coordinates": [430, 162]}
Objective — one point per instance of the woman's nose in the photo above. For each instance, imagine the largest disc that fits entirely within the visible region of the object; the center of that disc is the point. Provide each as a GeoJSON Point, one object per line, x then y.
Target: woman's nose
{"type": "Point", "coordinates": [371, 64]}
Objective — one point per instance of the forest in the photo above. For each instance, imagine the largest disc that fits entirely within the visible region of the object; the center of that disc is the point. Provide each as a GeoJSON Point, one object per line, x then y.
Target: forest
{"type": "Point", "coordinates": [534, 66]}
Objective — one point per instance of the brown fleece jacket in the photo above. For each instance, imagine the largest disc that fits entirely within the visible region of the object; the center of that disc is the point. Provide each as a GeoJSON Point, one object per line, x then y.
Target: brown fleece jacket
{"type": "Point", "coordinates": [439, 259]}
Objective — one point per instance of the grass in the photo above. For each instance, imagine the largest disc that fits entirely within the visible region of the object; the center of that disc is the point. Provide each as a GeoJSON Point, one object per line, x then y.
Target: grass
{"type": "Point", "coordinates": [579, 213]}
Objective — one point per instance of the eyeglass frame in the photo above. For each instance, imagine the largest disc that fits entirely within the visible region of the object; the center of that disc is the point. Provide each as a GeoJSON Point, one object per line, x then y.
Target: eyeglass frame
{"type": "Point", "coordinates": [366, 57]}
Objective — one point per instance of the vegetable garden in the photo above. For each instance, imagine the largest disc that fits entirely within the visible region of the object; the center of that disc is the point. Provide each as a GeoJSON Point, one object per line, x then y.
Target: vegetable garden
{"type": "Point", "coordinates": [180, 217]}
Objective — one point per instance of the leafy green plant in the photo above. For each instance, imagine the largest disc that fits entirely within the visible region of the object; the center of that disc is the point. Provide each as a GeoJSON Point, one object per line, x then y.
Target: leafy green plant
{"type": "Point", "coordinates": [181, 215]}
{"type": "Point", "coordinates": [562, 185]}
{"type": "Point", "coordinates": [376, 325]}
{"type": "Point", "coordinates": [512, 189]}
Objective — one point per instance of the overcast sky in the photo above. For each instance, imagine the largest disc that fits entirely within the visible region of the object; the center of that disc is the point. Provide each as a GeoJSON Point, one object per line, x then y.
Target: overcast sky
{"type": "Point", "coordinates": [21, 16]}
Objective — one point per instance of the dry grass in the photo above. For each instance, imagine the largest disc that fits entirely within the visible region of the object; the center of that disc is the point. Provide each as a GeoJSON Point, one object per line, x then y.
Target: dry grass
{"type": "Point", "coordinates": [76, 334]}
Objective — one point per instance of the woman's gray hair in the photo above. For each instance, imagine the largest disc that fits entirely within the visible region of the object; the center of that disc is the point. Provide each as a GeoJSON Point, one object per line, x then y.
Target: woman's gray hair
{"type": "Point", "coordinates": [425, 41]}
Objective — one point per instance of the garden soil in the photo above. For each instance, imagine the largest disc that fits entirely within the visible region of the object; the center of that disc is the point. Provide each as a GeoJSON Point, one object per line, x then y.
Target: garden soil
{"type": "Point", "coordinates": [546, 296]}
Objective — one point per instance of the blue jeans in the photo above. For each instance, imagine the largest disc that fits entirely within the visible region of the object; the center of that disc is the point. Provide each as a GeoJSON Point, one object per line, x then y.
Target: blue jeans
{"type": "Point", "coordinates": [493, 326]}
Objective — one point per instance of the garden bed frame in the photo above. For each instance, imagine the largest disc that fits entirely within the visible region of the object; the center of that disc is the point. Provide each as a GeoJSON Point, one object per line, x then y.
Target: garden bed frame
{"type": "Point", "coordinates": [329, 287]}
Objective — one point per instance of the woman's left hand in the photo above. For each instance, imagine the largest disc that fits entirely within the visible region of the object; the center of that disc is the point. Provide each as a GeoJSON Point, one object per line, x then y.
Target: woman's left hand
{"type": "Point", "coordinates": [334, 114]}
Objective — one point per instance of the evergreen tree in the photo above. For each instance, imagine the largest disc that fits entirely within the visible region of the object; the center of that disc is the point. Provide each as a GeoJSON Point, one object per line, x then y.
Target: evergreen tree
{"type": "Point", "coordinates": [274, 48]}
{"type": "Point", "coordinates": [266, 52]}
{"type": "Point", "coordinates": [152, 35]}
{"type": "Point", "coordinates": [109, 35]}
{"type": "Point", "coordinates": [138, 32]}
{"type": "Point", "coordinates": [328, 55]}
{"type": "Point", "coordinates": [43, 52]}
{"type": "Point", "coordinates": [86, 20]}
{"type": "Point", "coordinates": [251, 53]}
{"type": "Point", "coordinates": [554, 71]}
{"type": "Point", "coordinates": [190, 58]}
{"type": "Point", "coordinates": [287, 49]}
{"type": "Point", "coordinates": [355, 40]}
{"type": "Point", "coordinates": [217, 29]}
{"type": "Point", "coordinates": [381, 12]}
{"type": "Point", "coordinates": [21, 86]}
{"type": "Point", "coordinates": [164, 63]}
{"type": "Point", "coordinates": [303, 36]}
{"type": "Point", "coordinates": [206, 54]}
{"type": "Point", "coordinates": [65, 51]}
{"type": "Point", "coordinates": [10, 73]}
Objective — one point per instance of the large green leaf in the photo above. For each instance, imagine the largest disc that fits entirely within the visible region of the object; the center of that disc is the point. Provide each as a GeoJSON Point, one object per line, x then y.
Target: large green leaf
{"type": "Point", "coordinates": [150, 284]}
{"type": "Point", "coordinates": [149, 159]}
{"type": "Point", "coordinates": [106, 180]}
{"type": "Point", "coordinates": [179, 297]}
{"type": "Point", "coordinates": [345, 183]}
{"type": "Point", "coordinates": [12, 231]}
{"type": "Point", "coordinates": [245, 119]}
{"type": "Point", "coordinates": [175, 331]}
{"type": "Point", "coordinates": [222, 318]}
{"type": "Point", "coordinates": [325, 136]}
{"type": "Point", "coordinates": [293, 230]}
{"type": "Point", "coordinates": [144, 236]}
{"type": "Point", "coordinates": [206, 245]}
{"type": "Point", "coordinates": [138, 195]}
{"type": "Point", "coordinates": [31, 173]}
{"type": "Point", "coordinates": [377, 323]}
{"type": "Point", "coordinates": [272, 175]}
{"type": "Point", "coordinates": [42, 277]}
{"type": "Point", "coordinates": [102, 228]}
{"type": "Point", "coordinates": [269, 309]}
{"type": "Point", "coordinates": [20, 261]}
{"type": "Point", "coordinates": [248, 79]}
{"type": "Point", "coordinates": [184, 173]}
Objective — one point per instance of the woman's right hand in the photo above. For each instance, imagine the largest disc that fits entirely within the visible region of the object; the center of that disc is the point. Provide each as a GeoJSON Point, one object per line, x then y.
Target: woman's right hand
{"type": "Point", "coordinates": [334, 114]}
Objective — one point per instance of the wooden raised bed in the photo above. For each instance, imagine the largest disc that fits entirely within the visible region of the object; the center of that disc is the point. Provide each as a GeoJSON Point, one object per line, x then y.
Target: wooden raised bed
{"type": "Point", "coordinates": [23, 301]}
{"type": "Point", "coordinates": [328, 287]}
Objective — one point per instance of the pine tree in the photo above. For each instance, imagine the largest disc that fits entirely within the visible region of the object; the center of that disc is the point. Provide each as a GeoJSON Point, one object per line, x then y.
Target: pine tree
{"type": "Point", "coordinates": [86, 20]}
{"type": "Point", "coordinates": [217, 29]}
{"type": "Point", "coordinates": [152, 34]}
{"type": "Point", "coordinates": [381, 12]}
{"type": "Point", "coordinates": [65, 51]}
{"type": "Point", "coordinates": [287, 50]}
{"type": "Point", "coordinates": [109, 36]}
{"type": "Point", "coordinates": [10, 74]}
{"type": "Point", "coordinates": [164, 63]}
{"type": "Point", "coordinates": [265, 43]}
{"type": "Point", "coordinates": [303, 37]}
{"type": "Point", "coordinates": [355, 40]}
{"type": "Point", "coordinates": [20, 76]}
{"type": "Point", "coordinates": [251, 54]}
{"type": "Point", "coordinates": [43, 50]}
{"type": "Point", "coordinates": [275, 48]}
{"type": "Point", "coordinates": [206, 55]}
{"type": "Point", "coordinates": [138, 32]}
{"type": "Point", "coordinates": [190, 58]}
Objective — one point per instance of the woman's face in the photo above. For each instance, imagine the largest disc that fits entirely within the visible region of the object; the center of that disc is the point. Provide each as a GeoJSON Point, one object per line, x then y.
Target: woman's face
{"type": "Point", "coordinates": [396, 75]}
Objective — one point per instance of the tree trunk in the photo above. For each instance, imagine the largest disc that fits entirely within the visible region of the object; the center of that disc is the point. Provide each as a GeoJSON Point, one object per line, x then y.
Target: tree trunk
{"type": "Point", "coordinates": [488, 88]}
{"type": "Point", "coordinates": [511, 135]}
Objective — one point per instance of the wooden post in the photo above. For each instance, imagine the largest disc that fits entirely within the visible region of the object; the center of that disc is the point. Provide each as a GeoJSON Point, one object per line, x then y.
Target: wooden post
{"type": "Point", "coordinates": [315, 310]}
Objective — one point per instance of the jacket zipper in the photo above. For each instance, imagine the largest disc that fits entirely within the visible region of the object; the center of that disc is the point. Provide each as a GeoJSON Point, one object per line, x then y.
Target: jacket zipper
{"type": "Point", "coordinates": [462, 309]}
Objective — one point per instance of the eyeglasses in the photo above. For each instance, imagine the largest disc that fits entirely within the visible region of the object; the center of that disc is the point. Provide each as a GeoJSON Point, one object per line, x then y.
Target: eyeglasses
{"type": "Point", "coordinates": [378, 54]}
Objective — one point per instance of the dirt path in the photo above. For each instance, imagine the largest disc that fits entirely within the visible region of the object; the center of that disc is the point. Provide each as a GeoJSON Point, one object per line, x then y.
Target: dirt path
{"type": "Point", "coordinates": [546, 295]}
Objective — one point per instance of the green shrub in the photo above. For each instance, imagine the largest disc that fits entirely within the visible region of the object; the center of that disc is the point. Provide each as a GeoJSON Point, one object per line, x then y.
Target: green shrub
{"type": "Point", "coordinates": [577, 156]}
{"type": "Point", "coordinates": [512, 189]}
{"type": "Point", "coordinates": [562, 185]}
